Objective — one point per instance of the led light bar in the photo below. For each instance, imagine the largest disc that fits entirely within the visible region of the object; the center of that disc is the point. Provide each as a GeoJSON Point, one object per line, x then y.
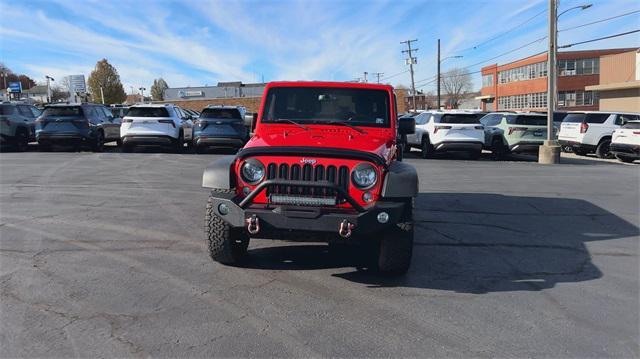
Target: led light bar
{"type": "Point", "coordinates": [302, 201]}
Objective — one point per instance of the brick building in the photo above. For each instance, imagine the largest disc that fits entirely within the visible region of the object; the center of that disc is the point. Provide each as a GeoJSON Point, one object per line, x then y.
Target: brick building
{"type": "Point", "coordinates": [619, 88]}
{"type": "Point", "coordinates": [522, 84]}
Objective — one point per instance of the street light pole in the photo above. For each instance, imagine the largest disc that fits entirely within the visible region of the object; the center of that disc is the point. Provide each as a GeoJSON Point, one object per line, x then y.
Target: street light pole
{"type": "Point", "coordinates": [49, 78]}
{"type": "Point", "coordinates": [440, 62]}
{"type": "Point", "coordinates": [102, 94]}
{"type": "Point", "coordinates": [142, 93]}
{"type": "Point", "coordinates": [549, 152]}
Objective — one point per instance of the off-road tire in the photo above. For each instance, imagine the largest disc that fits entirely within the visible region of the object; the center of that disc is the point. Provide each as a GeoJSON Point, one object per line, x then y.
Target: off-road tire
{"type": "Point", "coordinates": [625, 159]}
{"type": "Point", "coordinates": [226, 245]}
{"type": "Point", "coordinates": [498, 149]}
{"type": "Point", "coordinates": [426, 148]}
{"type": "Point", "coordinates": [98, 144]}
{"type": "Point", "coordinates": [602, 151]}
{"type": "Point", "coordinates": [22, 140]}
{"type": "Point", "coordinates": [395, 246]}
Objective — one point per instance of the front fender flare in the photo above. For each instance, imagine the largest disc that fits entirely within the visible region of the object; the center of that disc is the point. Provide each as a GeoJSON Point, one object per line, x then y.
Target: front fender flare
{"type": "Point", "coordinates": [219, 173]}
{"type": "Point", "coordinates": [401, 181]}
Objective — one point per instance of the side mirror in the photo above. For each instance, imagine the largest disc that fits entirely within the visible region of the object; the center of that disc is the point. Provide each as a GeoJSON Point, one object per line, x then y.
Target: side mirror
{"type": "Point", "coordinates": [406, 125]}
{"type": "Point", "coordinates": [254, 121]}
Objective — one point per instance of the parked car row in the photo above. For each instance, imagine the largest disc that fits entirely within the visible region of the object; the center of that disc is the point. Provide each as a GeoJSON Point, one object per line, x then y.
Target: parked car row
{"type": "Point", "coordinates": [90, 126]}
{"type": "Point", "coordinates": [603, 133]}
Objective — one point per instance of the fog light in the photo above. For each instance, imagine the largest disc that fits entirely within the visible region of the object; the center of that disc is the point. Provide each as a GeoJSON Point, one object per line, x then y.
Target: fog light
{"type": "Point", "coordinates": [223, 209]}
{"type": "Point", "coordinates": [367, 197]}
{"type": "Point", "coordinates": [383, 217]}
{"type": "Point", "coordinates": [246, 191]}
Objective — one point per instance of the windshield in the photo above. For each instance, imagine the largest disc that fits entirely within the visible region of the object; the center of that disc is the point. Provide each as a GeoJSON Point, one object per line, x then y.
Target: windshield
{"type": "Point", "coordinates": [7, 109]}
{"type": "Point", "coordinates": [63, 111]}
{"type": "Point", "coordinates": [527, 120]}
{"type": "Point", "coordinates": [586, 117]}
{"type": "Point", "coordinates": [458, 118]}
{"type": "Point", "coordinates": [317, 105]}
{"type": "Point", "coordinates": [221, 113]}
{"type": "Point", "coordinates": [147, 112]}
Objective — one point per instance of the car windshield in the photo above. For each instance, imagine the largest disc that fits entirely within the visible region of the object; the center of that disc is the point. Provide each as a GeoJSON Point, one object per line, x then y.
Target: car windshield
{"type": "Point", "coordinates": [527, 120]}
{"type": "Point", "coordinates": [221, 113]}
{"type": "Point", "coordinates": [586, 117]}
{"type": "Point", "coordinates": [317, 105]}
{"type": "Point", "coordinates": [63, 111]}
{"type": "Point", "coordinates": [7, 110]}
{"type": "Point", "coordinates": [458, 118]}
{"type": "Point", "coordinates": [147, 112]}
{"type": "Point", "coordinates": [632, 125]}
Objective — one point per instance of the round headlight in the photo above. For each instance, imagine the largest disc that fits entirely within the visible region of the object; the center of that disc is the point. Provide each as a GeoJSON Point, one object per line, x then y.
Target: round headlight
{"type": "Point", "coordinates": [252, 171]}
{"type": "Point", "coordinates": [364, 176]}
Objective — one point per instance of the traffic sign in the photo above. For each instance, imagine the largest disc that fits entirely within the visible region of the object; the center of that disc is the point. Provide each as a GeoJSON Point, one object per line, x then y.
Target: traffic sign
{"type": "Point", "coordinates": [15, 87]}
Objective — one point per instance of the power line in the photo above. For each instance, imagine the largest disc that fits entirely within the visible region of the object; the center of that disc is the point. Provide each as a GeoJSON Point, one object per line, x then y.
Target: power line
{"type": "Point", "coordinates": [503, 33]}
{"type": "Point", "coordinates": [599, 21]}
{"type": "Point", "coordinates": [599, 38]}
{"type": "Point", "coordinates": [394, 75]}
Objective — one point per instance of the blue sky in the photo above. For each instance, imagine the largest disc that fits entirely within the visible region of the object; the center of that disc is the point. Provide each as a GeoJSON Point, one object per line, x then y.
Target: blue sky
{"type": "Point", "coordinates": [198, 42]}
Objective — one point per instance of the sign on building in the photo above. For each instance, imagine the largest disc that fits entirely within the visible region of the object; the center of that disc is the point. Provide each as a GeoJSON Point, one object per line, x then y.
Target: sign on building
{"type": "Point", "coordinates": [15, 87]}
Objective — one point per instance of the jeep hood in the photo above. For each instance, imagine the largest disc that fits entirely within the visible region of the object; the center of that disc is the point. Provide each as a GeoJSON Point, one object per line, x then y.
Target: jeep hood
{"type": "Point", "coordinates": [375, 141]}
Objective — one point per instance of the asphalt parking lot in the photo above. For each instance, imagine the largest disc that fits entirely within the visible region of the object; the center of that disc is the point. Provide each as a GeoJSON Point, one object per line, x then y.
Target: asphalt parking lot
{"type": "Point", "coordinates": [102, 255]}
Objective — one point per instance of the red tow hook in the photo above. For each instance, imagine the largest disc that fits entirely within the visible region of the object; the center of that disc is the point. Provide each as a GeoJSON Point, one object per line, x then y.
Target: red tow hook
{"type": "Point", "coordinates": [253, 224]}
{"type": "Point", "coordinates": [345, 228]}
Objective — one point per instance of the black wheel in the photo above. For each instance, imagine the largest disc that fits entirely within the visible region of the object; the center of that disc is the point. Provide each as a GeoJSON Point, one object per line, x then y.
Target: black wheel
{"type": "Point", "coordinates": [602, 151]}
{"type": "Point", "coordinates": [226, 244]}
{"type": "Point", "coordinates": [22, 140]}
{"type": "Point", "coordinates": [98, 144]}
{"type": "Point", "coordinates": [426, 147]}
{"type": "Point", "coordinates": [119, 142]}
{"type": "Point", "coordinates": [498, 149]}
{"type": "Point", "coordinates": [625, 159]}
{"type": "Point", "coordinates": [395, 247]}
{"type": "Point", "coordinates": [180, 143]}
{"type": "Point", "coordinates": [405, 145]}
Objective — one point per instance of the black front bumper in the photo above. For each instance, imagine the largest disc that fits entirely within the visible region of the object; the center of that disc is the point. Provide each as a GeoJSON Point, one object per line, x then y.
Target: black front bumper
{"type": "Point", "coordinates": [239, 210]}
{"type": "Point", "coordinates": [625, 150]}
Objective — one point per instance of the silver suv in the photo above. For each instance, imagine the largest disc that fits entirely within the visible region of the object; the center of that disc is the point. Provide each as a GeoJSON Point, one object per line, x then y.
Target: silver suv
{"type": "Point", "coordinates": [17, 124]}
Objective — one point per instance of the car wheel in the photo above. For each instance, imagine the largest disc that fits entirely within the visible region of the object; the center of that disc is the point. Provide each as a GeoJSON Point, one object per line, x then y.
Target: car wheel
{"type": "Point", "coordinates": [226, 245]}
{"type": "Point", "coordinates": [22, 140]}
{"type": "Point", "coordinates": [180, 143]}
{"type": "Point", "coordinates": [602, 151]}
{"type": "Point", "coordinates": [98, 145]}
{"type": "Point", "coordinates": [625, 159]}
{"type": "Point", "coordinates": [395, 247]}
{"type": "Point", "coordinates": [498, 150]}
{"type": "Point", "coordinates": [426, 147]}
{"type": "Point", "coordinates": [119, 142]}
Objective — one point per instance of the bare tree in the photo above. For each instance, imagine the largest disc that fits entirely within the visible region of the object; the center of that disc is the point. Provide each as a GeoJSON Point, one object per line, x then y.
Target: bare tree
{"type": "Point", "coordinates": [455, 83]}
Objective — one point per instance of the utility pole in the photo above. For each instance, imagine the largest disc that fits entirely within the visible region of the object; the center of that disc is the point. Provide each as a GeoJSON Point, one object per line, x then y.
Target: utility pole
{"type": "Point", "coordinates": [411, 61]}
{"type": "Point", "coordinates": [378, 75]}
{"type": "Point", "coordinates": [365, 76]}
{"type": "Point", "coordinates": [438, 74]}
{"type": "Point", "coordinates": [49, 78]}
{"type": "Point", "coordinates": [549, 152]}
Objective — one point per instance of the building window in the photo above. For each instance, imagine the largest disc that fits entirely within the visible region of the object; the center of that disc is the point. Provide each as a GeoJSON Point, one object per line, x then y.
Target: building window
{"type": "Point", "coordinates": [577, 98]}
{"type": "Point", "coordinates": [521, 102]}
{"type": "Point", "coordinates": [523, 73]}
{"type": "Point", "coordinates": [579, 67]}
{"type": "Point", "coordinates": [487, 80]}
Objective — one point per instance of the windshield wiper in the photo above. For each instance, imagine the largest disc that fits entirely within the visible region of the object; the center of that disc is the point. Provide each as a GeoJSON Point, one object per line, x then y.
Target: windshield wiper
{"type": "Point", "coordinates": [343, 123]}
{"type": "Point", "coordinates": [280, 120]}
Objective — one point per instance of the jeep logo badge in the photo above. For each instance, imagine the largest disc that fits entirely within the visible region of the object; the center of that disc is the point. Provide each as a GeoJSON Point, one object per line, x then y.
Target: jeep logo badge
{"type": "Point", "coordinates": [308, 161]}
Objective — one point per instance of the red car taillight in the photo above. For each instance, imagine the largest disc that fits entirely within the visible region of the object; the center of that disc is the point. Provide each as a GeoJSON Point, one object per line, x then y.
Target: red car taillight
{"type": "Point", "coordinates": [516, 129]}
{"type": "Point", "coordinates": [435, 130]}
{"type": "Point", "coordinates": [584, 127]}
{"type": "Point", "coordinates": [636, 132]}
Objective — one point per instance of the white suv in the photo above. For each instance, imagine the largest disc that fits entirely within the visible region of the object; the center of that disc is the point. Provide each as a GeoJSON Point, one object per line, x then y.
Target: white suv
{"type": "Point", "coordinates": [444, 131]}
{"type": "Point", "coordinates": [590, 131]}
{"type": "Point", "coordinates": [157, 125]}
{"type": "Point", "coordinates": [625, 141]}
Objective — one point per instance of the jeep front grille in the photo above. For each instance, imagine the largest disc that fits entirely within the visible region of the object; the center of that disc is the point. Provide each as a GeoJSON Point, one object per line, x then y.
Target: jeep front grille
{"type": "Point", "coordinates": [308, 173]}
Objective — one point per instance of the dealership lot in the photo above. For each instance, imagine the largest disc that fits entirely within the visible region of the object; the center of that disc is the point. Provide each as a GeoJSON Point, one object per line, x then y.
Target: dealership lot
{"type": "Point", "coordinates": [102, 254]}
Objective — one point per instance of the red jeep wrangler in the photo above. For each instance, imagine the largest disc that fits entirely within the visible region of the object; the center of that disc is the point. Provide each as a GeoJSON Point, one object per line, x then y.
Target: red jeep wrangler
{"type": "Point", "coordinates": [324, 159]}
